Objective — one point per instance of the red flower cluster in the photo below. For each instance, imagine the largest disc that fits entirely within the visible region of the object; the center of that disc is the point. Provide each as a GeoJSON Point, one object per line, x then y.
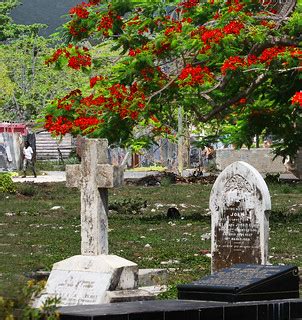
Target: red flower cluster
{"type": "Point", "coordinates": [84, 114]}
{"type": "Point", "coordinates": [269, 24]}
{"type": "Point", "coordinates": [270, 53]}
{"type": "Point", "coordinates": [122, 100]}
{"type": "Point", "coordinates": [234, 27]}
{"type": "Point", "coordinates": [297, 98]}
{"type": "Point", "coordinates": [215, 35]}
{"type": "Point", "coordinates": [77, 57]}
{"type": "Point", "coordinates": [84, 122]}
{"type": "Point", "coordinates": [56, 56]}
{"type": "Point", "coordinates": [234, 5]}
{"type": "Point", "coordinates": [267, 55]}
{"type": "Point", "coordinates": [60, 126]}
{"type": "Point", "coordinates": [191, 75]}
{"type": "Point", "coordinates": [94, 80]}
{"type": "Point", "coordinates": [242, 101]}
{"type": "Point", "coordinates": [94, 2]}
{"type": "Point", "coordinates": [165, 46]}
{"type": "Point", "coordinates": [80, 11]}
{"type": "Point", "coordinates": [76, 62]}
{"type": "Point", "coordinates": [232, 63]}
{"type": "Point", "coordinates": [134, 21]}
{"type": "Point", "coordinates": [134, 52]}
{"type": "Point", "coordinates": [236, 8]}
{"type": "Point", "coordinates": [126, 102]}
{"type": "Point", "coordinates": [189, 3]}
{"type": "Point", "coordinates": [174, 29]}
{"type": "Point", "coordinates": [107, 22]}
{"type": "Point", "coordinates": [212, 36]}
{"type": "Point", "coordinates": [67, 101]}
{"type": "Point", "coordinates": [147, 73]}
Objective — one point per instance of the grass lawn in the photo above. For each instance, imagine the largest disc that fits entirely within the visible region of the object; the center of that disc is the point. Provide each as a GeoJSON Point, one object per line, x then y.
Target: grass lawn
{"type": "Point", "coordinates": [33, 236]}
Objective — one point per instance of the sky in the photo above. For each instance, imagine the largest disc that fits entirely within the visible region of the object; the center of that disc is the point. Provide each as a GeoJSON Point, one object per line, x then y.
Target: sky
{"type": "Point", "coordinates": [49, 12]}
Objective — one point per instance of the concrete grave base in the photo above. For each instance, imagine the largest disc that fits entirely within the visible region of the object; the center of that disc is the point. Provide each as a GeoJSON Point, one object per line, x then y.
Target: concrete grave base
{"type": "Point", "coordinates": [81, 280]}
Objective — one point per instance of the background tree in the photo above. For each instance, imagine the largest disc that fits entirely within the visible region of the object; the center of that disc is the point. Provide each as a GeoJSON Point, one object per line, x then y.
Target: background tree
{"type": "Point", "coordinates": [10, 30]}
{"type": "Point", "coordinates": [222, 61]}
{"type": "Point", "coordinates": [30, 84]}
{"type": "Point", "coordinates": [26, 82]}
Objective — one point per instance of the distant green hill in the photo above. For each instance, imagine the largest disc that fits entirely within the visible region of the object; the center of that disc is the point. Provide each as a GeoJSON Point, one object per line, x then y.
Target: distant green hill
{"type": "Point", "coordinates": [48, 12]}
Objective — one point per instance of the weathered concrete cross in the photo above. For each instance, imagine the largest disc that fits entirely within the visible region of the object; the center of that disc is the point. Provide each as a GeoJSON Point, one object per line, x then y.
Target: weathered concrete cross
{"type": "Point", "coordinates": [94, 176]}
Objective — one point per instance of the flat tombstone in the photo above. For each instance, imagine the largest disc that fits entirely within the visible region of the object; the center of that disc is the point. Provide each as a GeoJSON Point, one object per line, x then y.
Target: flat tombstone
{"type": "Point", "coordinates": [244, 282]}
{"type": "Point", "coordinates": [240, 205]}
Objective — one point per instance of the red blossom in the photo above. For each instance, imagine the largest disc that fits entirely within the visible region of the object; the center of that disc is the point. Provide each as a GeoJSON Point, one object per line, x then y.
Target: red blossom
{"type": "Point", "coordinates": [189, 3]}
{"type": "Point", "coordinates": [297, 98]}
{"type": "Point", "coordinates": [87, 101]}
{"type": "Point", "coordinates": [134, 52]}
{"type": "Point", "coordinates": [232, 63]}
{"type": "Point", "coordinates": [217, 15]}
{"type": "Point", "coordinates": [236, 7]}
{"type": "Point", "coordinates": [234, 27]}
{"type": "Point", "coordinates": [153, 118]}
{"type": "Point", "coordinates": [174, 29]}
{"type": "Point", "coordinates": [212, 36]}
{"type": "Point", "coordinates": [94, 2]}
{"type": "Point", "coordinates": [251, 59]}
{"type": "Point", "coordinates": [242, 101]}
{"type": "Point", "coordinates": [76, 62]}
{"type": "Point", "coordinates": [94, 80]}
{"type": "Point", "coordinates": [80, 11]}
{"type": "Point", "coordinates": [269, 54]}
{"type": "Point", "coordinates": [84, 122]}
{"type": "Point", "coordinates": [60, 126]}
{"type": "Point", "coordinates": [195, 75]}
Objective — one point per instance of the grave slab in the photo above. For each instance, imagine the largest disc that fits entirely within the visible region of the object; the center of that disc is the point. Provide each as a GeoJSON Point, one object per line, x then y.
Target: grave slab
{"type": "Point", "coordinates": [88, 279]}
{"type": "Point", "coordinates": [187, 310]}
{"type": "Point", "coordinates": [240, 205]}
{"type": "Point", "coordinates": [244, 282]}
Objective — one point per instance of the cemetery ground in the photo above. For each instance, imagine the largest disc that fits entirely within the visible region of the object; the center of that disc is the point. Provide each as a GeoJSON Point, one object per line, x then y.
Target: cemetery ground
{"type": "Point", "coordinates": [40, 225]}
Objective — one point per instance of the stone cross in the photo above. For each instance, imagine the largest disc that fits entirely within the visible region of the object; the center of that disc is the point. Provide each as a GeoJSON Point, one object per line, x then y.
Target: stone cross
{"type": "Point", "coordinates": [94, 176]}
{"type": "Point", "coordinates": [240, 205]}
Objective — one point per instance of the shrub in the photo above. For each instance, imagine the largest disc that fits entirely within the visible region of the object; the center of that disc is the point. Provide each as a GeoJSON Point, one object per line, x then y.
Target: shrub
{"type": "Point", "coordinates": [6, 183]}
{"type": "Point", "coordinates": [20, 308]}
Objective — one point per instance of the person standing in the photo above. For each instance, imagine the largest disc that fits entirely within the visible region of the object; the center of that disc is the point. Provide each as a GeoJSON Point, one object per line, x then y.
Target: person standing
{"type": "Point", "coordinates": [28, 159]}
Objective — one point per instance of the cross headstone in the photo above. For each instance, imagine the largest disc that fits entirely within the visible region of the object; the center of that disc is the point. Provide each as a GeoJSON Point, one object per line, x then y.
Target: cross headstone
{"type": "Point", "coordinates": [240, 205]}
{"type": "Point", "coordinates": [90, 278]}
{"type": "Point", "coordinates": [94, 176]}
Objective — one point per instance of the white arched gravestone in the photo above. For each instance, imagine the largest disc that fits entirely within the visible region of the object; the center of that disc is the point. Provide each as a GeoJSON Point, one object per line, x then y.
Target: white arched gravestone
{"type": "Point", "coordinates": [240, 205]}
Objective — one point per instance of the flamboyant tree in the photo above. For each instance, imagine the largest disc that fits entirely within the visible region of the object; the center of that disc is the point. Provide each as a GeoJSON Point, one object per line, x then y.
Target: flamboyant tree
{"type": "Point", "coordinates": [236, 63]}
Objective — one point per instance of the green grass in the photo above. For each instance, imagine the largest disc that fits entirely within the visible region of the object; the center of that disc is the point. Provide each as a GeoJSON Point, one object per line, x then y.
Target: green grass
{"type": "Point", "coordinates": [32, 236]}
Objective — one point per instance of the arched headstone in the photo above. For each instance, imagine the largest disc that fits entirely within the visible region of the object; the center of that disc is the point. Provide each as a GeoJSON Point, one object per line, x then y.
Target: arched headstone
{"type": "Point", "coordinates": [240, 204]}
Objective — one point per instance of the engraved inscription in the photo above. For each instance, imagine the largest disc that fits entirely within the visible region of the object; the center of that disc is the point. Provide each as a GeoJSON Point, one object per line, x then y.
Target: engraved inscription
{"type": "Point", "coordinates": [79, 287]}
{"type": "Point", "coordinates": [238, 277]}
{"type": "Point", "coordinates": [237, 234]}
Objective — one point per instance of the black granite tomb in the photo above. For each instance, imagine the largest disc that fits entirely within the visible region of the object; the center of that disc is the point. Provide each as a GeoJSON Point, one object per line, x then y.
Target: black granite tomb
{"type": "Point", "coordinates": [187, 310]}
{"type": "Point", "coordinates": [244, 282]}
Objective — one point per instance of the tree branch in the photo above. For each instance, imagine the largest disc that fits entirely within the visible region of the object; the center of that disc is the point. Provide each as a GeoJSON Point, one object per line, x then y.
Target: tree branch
{"type": "Point", "coordinates": [274, 41]}
{"type": "Point", "coordinates": [219, 108]}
